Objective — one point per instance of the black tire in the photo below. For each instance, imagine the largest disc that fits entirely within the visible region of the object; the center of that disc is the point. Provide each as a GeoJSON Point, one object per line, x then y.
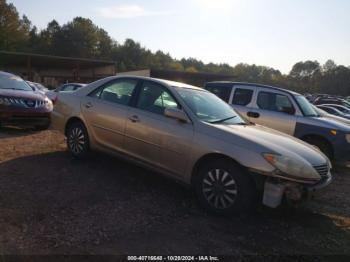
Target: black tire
{"type": "Point", "coordinates": [223, 187]}
{"type": "Point", "coordinates": [324, 146]}
{"type": "Point", "coordinates": [78, 140]}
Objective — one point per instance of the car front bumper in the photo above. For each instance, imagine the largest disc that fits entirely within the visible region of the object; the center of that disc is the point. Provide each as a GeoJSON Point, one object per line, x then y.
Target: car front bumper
{"type": "Point", "coordinates": [275, 188]}
{"type": "Point", "coordinates": [325, 181]}
{"type": "Point", "coordinates": [25, 118]}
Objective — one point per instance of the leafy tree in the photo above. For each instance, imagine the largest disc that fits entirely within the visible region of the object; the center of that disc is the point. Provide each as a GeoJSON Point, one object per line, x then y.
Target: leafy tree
{"type": "Point", "coordinates": [305, 69]}
{"type": "Point", "coordinates": [82, 38]}
{"type": "Point", "coordinates": [14, 31]}
{"type": "Point", "coordinates": [329, 66]}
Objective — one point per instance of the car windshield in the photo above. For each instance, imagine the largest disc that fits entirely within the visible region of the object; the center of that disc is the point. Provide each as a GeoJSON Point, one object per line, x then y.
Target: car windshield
{"type": "Point", "coordinates": [14, 83]}
{"type": "Point", "coordinates": [208, 107]}
{"type": "Point", "coordinates": [305, 106]}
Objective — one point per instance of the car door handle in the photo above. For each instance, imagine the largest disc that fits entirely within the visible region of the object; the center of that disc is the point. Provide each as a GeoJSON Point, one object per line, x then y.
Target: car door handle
{"type": "Point", "coordinates": [253, 114]}
{"type": "Point", "coordinates": [88, 105]}
{"type": "Point", "coordinates": [134, 119]}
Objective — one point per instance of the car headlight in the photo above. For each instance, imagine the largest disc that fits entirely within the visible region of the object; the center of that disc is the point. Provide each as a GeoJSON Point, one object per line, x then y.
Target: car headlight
{"type": "Point", "coordinates": [48, 103]}
{"type": "Point", "coordinates": [294, 168]}
{"type": "Point", "coordinates": [347, 136]}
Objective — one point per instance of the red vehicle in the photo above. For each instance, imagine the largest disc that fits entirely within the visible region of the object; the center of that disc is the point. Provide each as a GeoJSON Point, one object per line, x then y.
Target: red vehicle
{"type": "Point", "coordinates": [20, 105]}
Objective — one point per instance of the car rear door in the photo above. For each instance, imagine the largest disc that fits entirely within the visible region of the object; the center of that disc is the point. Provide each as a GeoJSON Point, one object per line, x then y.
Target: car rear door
{"type": "Point", "coordinates": [274, 109]}
{"type": "Point", "coordinates": [153, 137]}
{"type": "Point", "coordinates": [221, 90]}
{"type": "Point", "coordinates": [242, 99]}
{"type": "Point", "coordinates": [105, 111]}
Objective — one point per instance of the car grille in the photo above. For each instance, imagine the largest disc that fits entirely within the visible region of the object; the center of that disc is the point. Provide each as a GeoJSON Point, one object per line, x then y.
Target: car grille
{"type": "Point", "coordinates": [34, 103]}
{"type": "Point", "coordinates": [24, 102]}
{"type": "Point", "coordinates": [322, 170]}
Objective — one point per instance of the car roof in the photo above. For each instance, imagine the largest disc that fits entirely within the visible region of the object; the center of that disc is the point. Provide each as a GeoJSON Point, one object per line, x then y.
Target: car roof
{"type": "Point", "coordinates": [330, 99]}
{"type": "Point", "coordinates": [161, 81]}
{"type": "Point", "coordinates": [2, 73]}
{"type": "Point", "coordinates": [330, 107]}
{"type": "Point", "coordinates": [327, 106]}
{"type": "Point", "coordinates": [230, 84]}
{"type": "Point", "coordinates": [333, 105]}
{"type": "Point", "coordinates": [79, 84]}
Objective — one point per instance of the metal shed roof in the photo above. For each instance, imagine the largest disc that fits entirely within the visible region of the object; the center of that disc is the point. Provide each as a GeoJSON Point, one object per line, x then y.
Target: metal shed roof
{"type": "Point", "coordinates": [39, 60]}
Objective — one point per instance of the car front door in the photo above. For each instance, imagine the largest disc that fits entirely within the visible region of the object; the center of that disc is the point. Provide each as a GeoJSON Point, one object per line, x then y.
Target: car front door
{"type": "Point", "coordinates": [274, 109]}
{"type": "Point", "coordinates": [153, 137]}
{"type": "Point", "coordinates": [105, 110]}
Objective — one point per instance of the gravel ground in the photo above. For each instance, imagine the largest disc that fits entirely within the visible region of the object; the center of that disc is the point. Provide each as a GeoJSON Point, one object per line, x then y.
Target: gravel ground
{"type": "Point", "coordinates": [53, 204]}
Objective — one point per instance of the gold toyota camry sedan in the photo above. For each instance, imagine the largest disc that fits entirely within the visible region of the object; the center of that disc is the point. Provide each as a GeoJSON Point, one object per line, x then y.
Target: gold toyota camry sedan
{"type": "Point", "coordinates": [189, 134]}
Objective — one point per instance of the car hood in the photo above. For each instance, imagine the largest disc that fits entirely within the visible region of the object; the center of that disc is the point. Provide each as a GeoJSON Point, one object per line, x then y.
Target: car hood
{"type": "Point", "coordinates": [325, 122]}
{"type": "Point", "coordinates": [22, 94]}
{"type": "Point", "coordinates": [266, 140]}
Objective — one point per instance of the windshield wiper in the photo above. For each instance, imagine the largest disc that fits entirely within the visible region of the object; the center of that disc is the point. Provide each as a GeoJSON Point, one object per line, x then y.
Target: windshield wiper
{"type": "Point", "coordinates": [222, 120]}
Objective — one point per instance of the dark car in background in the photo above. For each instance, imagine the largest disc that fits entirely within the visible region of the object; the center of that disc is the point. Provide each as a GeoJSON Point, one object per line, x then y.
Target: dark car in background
{"type": "Point", "coordinates": [69, 87]}
{"type": "Point", "coordinates": [333, 111]}
{"type": "Point", "coordinates": [343, 109]}
{"type": "Point", "coordinates": [20, 105]}
{"type": "Point", "coordinates": [38, 87]}
{"type": "Point", "coordinates": [334, 101]}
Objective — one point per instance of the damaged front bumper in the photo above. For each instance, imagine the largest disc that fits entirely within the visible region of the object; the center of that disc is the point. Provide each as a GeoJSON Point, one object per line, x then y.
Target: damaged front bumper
{"type": "Point", "coordinates": [275, 188]}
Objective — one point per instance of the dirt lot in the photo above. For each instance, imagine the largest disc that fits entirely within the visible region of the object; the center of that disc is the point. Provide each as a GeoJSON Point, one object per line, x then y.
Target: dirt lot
{"type": "Point", "coordinates": [52, 204]}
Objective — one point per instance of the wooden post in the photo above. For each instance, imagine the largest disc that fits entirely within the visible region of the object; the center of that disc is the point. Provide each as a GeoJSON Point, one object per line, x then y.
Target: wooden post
{"type": "Point", "coordinates": [93, 73]}
{"type": "Point", "coordinates": [78, 71]}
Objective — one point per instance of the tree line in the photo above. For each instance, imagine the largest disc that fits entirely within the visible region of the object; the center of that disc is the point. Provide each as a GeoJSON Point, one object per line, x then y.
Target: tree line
{"type": "Point", "coordinates": [82, 38]}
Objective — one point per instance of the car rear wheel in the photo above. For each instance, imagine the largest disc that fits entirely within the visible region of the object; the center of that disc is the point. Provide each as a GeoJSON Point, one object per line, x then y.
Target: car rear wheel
{"type": "Point", "coordinates": [78, 140]}
{"type": "Point", "coordinates": [223, 187]}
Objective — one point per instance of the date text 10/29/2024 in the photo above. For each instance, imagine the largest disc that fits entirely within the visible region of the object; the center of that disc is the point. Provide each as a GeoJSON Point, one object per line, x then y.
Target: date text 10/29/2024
{"type": "Point", "coordinates": [173, 258]}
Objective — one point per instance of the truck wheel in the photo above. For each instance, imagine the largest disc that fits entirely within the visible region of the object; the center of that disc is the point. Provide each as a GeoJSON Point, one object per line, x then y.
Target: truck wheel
{"type": "Point", "coordinates": [225, 188]}
{"type": "Point", "coordinates": [78, 140]}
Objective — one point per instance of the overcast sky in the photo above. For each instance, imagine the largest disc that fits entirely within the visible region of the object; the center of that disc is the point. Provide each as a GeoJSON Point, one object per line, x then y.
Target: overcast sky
{"type": "Point", "coordinates": [276, 33]}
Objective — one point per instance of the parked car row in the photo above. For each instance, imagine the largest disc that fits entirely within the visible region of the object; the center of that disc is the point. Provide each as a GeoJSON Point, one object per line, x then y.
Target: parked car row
{"type": "Point", "coordinates": [193, 136]}
{"type": "Point", "coordinates": [331, 106]}
{"type": "Point", "coordinates": [25, 103]}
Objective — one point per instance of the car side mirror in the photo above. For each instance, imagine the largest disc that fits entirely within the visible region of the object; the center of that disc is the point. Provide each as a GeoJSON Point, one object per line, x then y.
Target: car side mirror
{"type": "Point", "coordinates": [176, 114]}
{"type": "Point", "coordinates": [288, 110]}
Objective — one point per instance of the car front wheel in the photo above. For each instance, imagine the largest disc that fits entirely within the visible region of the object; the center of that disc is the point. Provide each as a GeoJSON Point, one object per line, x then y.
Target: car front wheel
{"type": "Point", "coordinates": [78, 140]}
{"type": "Point", "coordinates": [224, 187]}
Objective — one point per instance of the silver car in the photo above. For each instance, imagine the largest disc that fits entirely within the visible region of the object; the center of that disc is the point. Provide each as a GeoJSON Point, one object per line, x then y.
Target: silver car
{"type": "Point", "coordinates": [191, 135]}
{"type": "Point", "coordinates": [288, 112]}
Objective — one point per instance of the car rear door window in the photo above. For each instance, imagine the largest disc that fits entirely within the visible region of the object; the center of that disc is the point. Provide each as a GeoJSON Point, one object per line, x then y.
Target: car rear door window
{"type": "Point", "coordinates": [76, 87]}
{"type": "Point", "coordinates": [274, 102]}
{"type": "Point", "coordinates": [68, 88]}
{"type": "Point", "coordinates": [223, 92]}
{"type": "Point", "coordinates": [242, 96]}
{"type": "Point", "coordinates": [118, 92]}
{"type": "Point", "coordinates": [155, 98]}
